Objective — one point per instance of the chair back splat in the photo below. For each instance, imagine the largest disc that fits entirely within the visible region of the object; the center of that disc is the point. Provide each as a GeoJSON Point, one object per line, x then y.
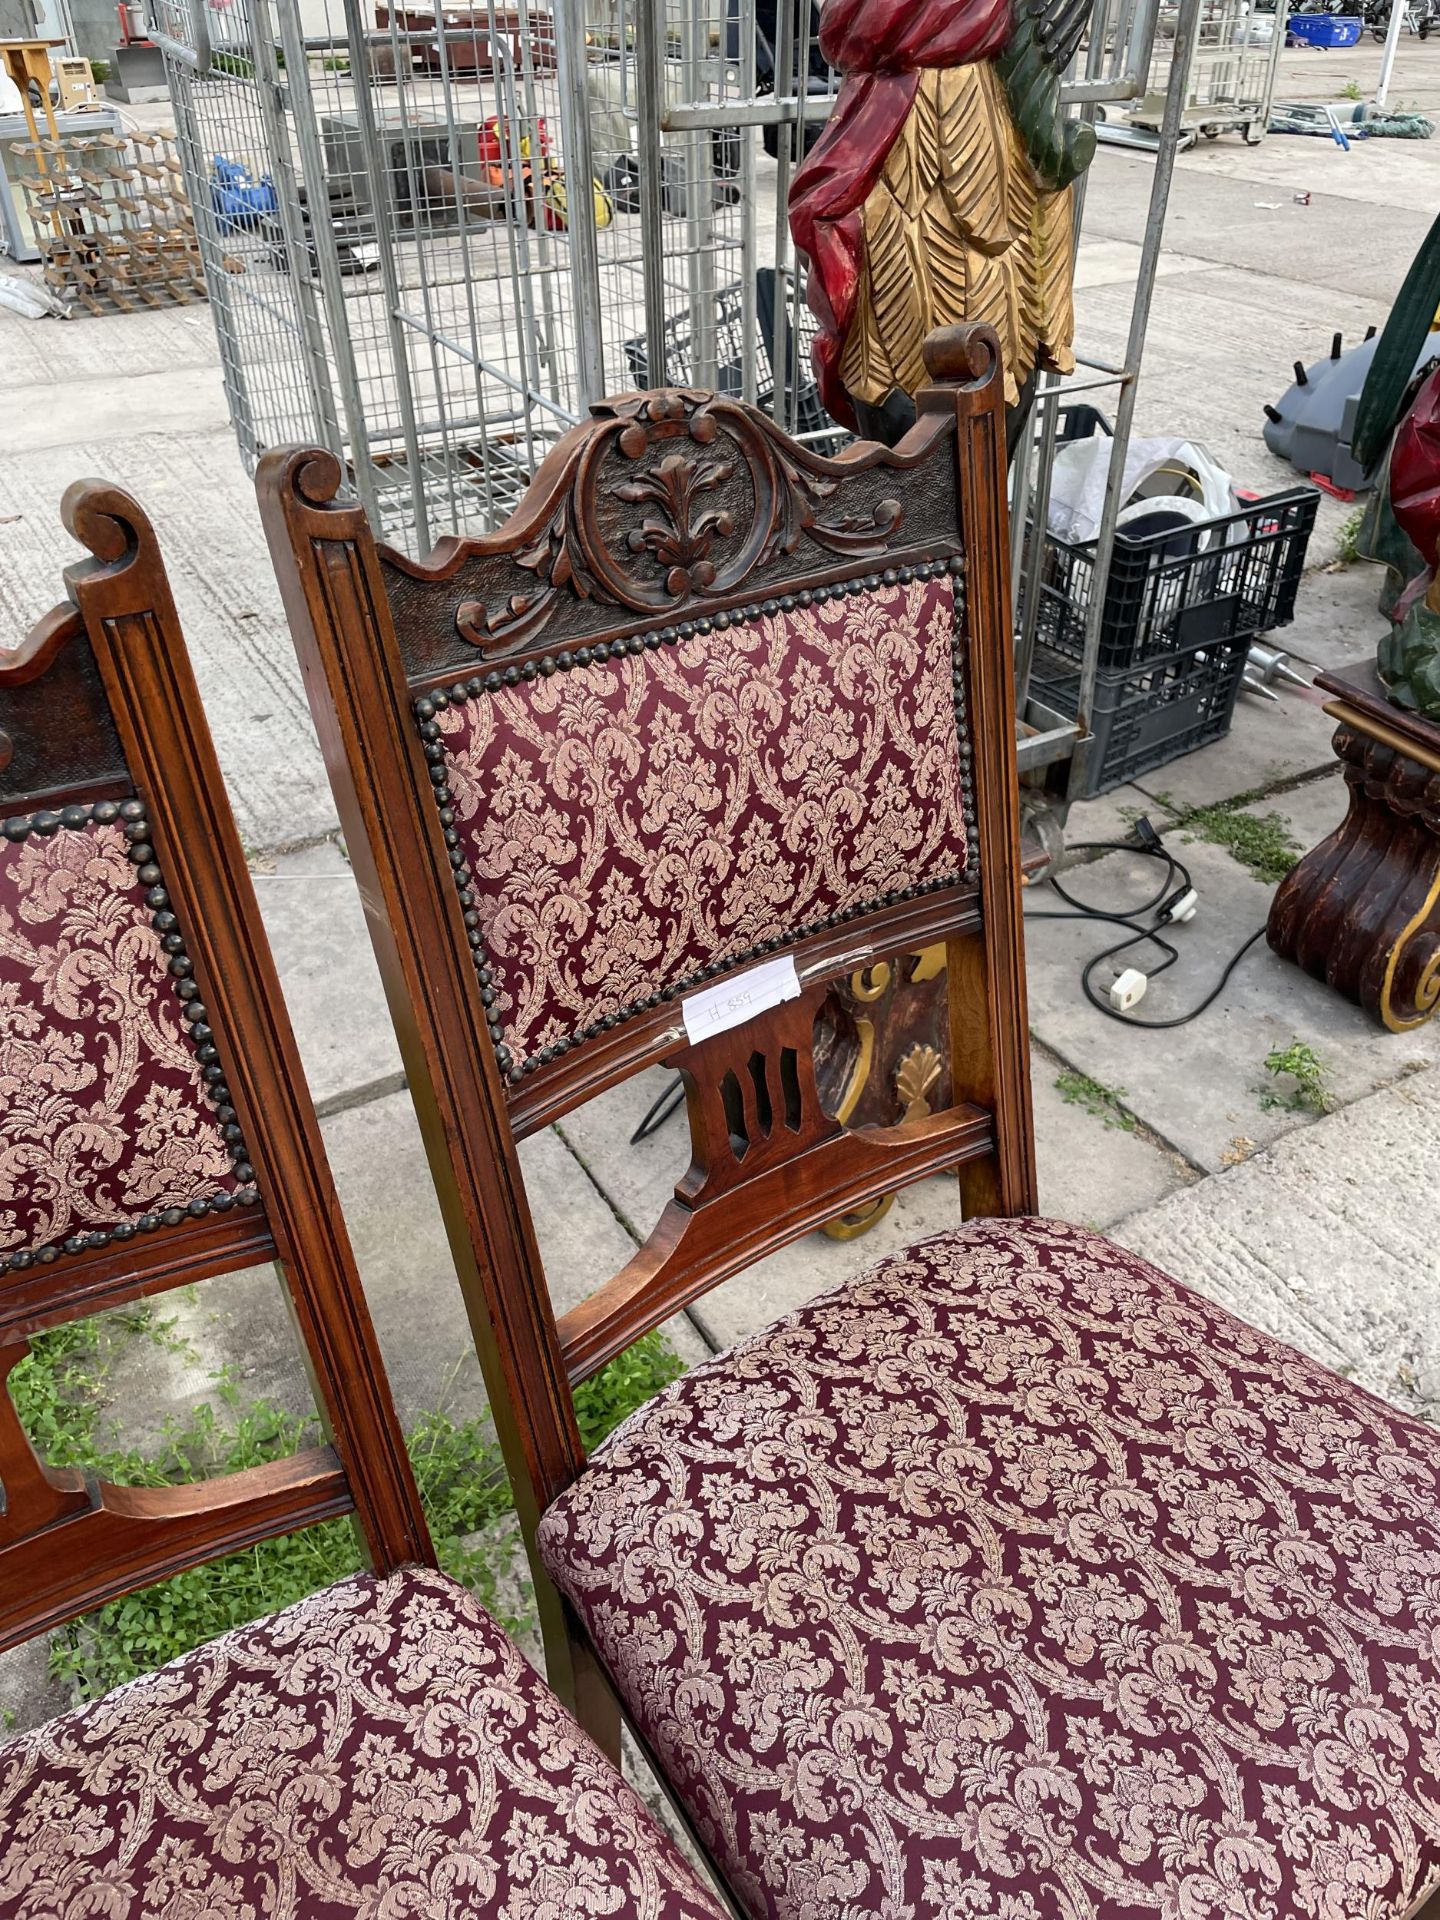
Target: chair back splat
{"type": "Point", "coordinates": [708, 703]}
{"type": "Point", "coordinates": [156, 1128]}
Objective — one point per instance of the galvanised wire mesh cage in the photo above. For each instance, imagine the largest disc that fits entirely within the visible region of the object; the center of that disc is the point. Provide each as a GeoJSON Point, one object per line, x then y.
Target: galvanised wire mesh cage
{"type": "Point", "coordinates": [433, 236]}
{"type": "Point", "coordinates": [432, 239]}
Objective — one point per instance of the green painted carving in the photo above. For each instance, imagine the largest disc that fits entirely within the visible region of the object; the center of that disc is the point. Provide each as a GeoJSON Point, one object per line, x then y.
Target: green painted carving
{"type": "Point", "coordinates": [1060, 149]}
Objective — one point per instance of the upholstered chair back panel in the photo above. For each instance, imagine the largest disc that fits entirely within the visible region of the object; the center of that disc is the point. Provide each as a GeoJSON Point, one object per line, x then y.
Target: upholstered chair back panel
{"type": "Point", "coordinates": [106, 1124]}
{"type": "Point", "coordinates": [631, 824]}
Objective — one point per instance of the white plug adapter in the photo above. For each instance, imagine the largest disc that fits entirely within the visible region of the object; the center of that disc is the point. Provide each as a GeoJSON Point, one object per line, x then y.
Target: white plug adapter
{"type": "Point", "coordinates": [1128, 989]}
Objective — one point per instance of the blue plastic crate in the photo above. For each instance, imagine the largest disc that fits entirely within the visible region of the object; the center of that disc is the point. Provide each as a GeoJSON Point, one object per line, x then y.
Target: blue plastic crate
{"type": "Point", "coordinates": [1325, 29]}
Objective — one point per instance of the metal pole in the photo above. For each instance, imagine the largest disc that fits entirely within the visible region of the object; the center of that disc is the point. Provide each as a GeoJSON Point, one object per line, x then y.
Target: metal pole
{"type": "Point", "coordinates": [1392, 43]}
{"type": "Point", "coordinates": [797, 148]}
{"type": "Point", "coordinates": [1186, 30]}
{"type": "Point", "coordinates": [579, 171]}
{"type": "Point", "coordinates": [378, 186]}
{"type": "Point", "coordinates": [787, 149]}
{"type": "Point", "coordinates": [698, 175]}
{"type": "Point", "coordinates": [749, 261]}
{"type": "Point", "coordinates": [1048, 395]}
{"type": "Point", "coordinates": [327, 261]}
{"type": "Point", "coordinates": [649, 103]}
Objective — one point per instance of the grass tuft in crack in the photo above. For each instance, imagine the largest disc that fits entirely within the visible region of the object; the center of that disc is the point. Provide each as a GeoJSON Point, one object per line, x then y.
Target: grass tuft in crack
{"type": "Point", "coordinates": [1079, 1090]}
{"type": "Point", "coordinates": [1307, 1090]}
{"type": "Point", "coordinates": [1262, 842]}
{"type": "Point", "coordinates": [59, 1393]}
{"type": "Point", "coordinates": [1347, 540]}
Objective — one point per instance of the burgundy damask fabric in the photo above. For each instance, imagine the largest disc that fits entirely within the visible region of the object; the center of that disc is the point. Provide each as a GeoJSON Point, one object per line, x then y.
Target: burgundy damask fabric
{"type": "Point", "coordinates": [1013, 1581]}
{"type": "Point", "coordinates": [380, 1750]}
{"type": "Point", "coordinates": [631, 822]}
{"type": "Point", "coordinates": [103, 1116]}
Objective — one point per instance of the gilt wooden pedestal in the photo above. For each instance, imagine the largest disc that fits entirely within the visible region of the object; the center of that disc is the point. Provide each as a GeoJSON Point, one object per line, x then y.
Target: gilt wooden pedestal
{"type": "Point", "coordinates": [1362, 910]}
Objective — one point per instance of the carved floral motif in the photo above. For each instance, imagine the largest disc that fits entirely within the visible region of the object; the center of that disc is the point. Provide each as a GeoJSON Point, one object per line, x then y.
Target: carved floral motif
{"type": "Point", "coordinates": [707, 467]}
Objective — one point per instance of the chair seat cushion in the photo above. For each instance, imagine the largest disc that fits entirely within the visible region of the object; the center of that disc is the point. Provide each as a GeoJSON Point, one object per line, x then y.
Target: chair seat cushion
{"type": "Point", "coordinates": [1013, 1581]}
{"type": "Point", "coordinates": [379, 1749]}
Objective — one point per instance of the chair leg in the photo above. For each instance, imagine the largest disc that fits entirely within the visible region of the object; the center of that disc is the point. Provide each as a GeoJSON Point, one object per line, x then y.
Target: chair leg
{"type": "Point", "coordinates": [573, 1671]}
{"type": "Point", "coordinates": [597, 1706]}
{"type": "Point", "coordinates": [989, 1065]}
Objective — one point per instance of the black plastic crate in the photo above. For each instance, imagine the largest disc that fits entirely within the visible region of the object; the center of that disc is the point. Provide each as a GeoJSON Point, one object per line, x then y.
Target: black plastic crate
{"type": "Point", "coordinates": [679, 358]}
{"type": "Point", "coordinates": [1179, 590]}
{"type": "Point", "coordinates": [1171, 592]}
{"type": "Point", "coordinates": [1181, 609]}
{"type": "Point", "coordinates": [1142, 719]}
{"type": "Point", "coordinates": [809, 415]}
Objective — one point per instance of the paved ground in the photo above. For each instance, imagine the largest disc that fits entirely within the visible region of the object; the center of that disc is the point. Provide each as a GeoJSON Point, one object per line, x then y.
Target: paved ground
{"type": "Point", "coordinates": [1322, 1228]}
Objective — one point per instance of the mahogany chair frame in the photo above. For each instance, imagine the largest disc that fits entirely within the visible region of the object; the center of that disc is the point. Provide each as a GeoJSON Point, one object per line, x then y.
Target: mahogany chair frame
{"type": "Point", "coordinates": [381, 637]}
{"type": "Point", "coordinates": [99, 709]}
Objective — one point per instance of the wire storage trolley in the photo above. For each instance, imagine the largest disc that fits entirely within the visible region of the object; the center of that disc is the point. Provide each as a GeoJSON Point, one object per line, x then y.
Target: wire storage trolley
{"type": "Point", "coordinates": [432, 238]}
{"type": "Point", "coordinates": [1231, 78]}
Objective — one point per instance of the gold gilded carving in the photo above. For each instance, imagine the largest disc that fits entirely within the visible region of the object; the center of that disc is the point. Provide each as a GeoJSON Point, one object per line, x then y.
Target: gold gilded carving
{"type": "Point", "coordinates": [959, 227]}
{"type": "Point", "coordinates": [916, 1078]}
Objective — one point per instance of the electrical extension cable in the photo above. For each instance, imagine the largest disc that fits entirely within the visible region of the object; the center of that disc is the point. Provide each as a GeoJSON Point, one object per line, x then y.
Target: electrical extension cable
{"type": "Point", "coordinates": [1171, 905]}
{"type": "Point", "coordinates": [659, 1111]}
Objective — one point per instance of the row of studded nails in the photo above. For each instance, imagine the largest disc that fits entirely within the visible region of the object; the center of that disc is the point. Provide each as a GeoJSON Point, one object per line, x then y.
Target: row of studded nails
{"type": "Point", "coordinates": [131, 816]}
{"type": "Point", "coordinates": [427, 706]}
{"type": "Point", "coordinates": [637, 643]}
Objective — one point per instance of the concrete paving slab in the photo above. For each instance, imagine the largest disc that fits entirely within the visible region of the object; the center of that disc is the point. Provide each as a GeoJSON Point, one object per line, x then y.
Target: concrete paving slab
{"type": "Point", "coordinates": [1102, 263]}
{"type": "Point", "coordinates": [316, 926]}
{"type": "Point", "coordinates": [1218, 215]}
{"type": "Point", "coordinates": [1197, 1086]}
{"type": "Point", "coordinates": [28, 1695]}
{"type": "Point", "coordinates": [1327, 1239]}
{"type": "Point", "coordinates": [1269, 742]}
{"type": "Point", "coordinates": [1088, 1171]}
{"type": "Point", "coordinates": [58, 354]}
{"type": "Point", "coordinates": [1205, 376]}
{"type": "Point", "coordinates": [202, 504]}
{"type": "Point", "coordinates": [236, 1326]}
{"type": "Point", "coordinates": [1311, 812]}
{"type": "Point", "coordinates": [182, 399]}
{"type": "Point", "coordinates": [1110, 816]}
{"type": "Point", "coordinates": [404, 1255]}
{"type": "Point", "coordinates": [1338, 622]}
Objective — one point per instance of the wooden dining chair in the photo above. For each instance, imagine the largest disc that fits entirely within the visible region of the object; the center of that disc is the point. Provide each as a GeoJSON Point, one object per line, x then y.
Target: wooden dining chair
{"type": "Point", "coordinates": [1010, 1579]}
{"type": "Point", "coordinates": [380, 1747]}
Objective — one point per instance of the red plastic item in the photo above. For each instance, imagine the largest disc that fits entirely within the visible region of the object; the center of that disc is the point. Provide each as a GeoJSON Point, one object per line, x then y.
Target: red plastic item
{"type": "Point", "coordinates": [1329, 486]}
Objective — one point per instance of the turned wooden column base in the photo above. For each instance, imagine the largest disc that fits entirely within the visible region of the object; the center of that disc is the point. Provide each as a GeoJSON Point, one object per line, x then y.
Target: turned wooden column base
{"type": "Point", "coordinates": [1362, 910]}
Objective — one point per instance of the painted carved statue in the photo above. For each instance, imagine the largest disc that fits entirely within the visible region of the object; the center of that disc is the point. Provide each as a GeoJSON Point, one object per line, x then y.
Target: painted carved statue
{"type": "Point", "coordinates": [1402, 526]}
{"type": "Point", "coordinates": [940, 192]}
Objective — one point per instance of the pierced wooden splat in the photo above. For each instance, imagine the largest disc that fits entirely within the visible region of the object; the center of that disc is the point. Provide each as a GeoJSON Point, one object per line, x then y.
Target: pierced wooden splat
{"type": "Point", "coordinates": [769, 1162]}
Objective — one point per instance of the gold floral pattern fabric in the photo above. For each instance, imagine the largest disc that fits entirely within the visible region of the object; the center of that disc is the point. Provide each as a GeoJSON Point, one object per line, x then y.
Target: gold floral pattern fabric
{"type": "Point", "coordinates": [379, 1750]}
{"type": "Point", "coordinates": [633, 821]}
{"type": "Point", "coordinates": [103, 1116]}
{"type": "Point", "coordinates": [1013, 1581]}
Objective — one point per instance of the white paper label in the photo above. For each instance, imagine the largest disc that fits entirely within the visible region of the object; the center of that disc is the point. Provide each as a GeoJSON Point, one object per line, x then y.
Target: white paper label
{"type": "Point", "coordinates": [732, 1002]}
